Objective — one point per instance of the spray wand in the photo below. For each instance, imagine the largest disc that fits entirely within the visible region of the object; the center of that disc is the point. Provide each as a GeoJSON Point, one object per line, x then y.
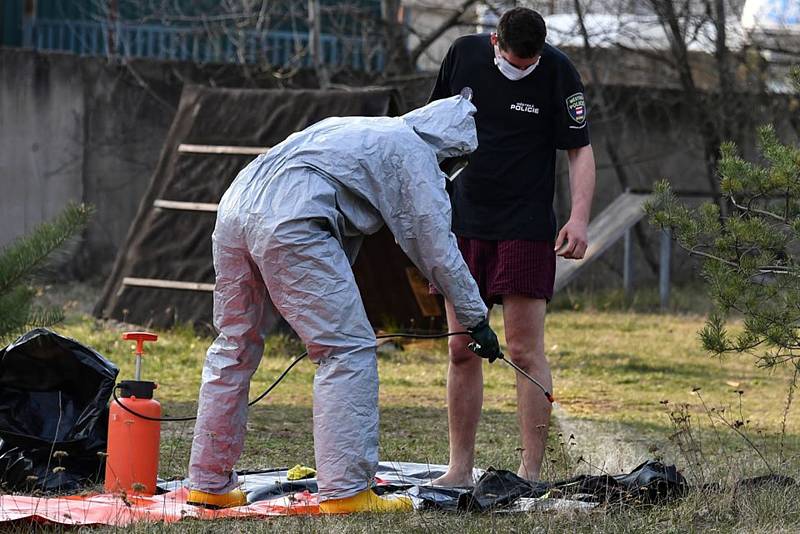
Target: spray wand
{"type": "Point", "coordinates": [518, 369]}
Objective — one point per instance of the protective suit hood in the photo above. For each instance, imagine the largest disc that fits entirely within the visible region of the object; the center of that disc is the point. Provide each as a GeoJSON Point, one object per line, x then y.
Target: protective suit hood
{"type": "Point", "coordinates": [447, 125]}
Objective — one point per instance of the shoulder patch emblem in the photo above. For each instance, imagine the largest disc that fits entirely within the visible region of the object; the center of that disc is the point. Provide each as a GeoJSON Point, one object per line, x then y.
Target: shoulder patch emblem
{"type": "Point", "coordinates": [576, 107]}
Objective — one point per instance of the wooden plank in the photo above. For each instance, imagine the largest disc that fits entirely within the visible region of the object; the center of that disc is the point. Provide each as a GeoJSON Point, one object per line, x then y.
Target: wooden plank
{"type": "Point", "coordinates": [186, 148]}
{"type": "Point", "coordinates": [605, 230]}
{"type": "Point", "coordinates": [186, 206]}
{"type": "Point", "coordinates": [166, 284]}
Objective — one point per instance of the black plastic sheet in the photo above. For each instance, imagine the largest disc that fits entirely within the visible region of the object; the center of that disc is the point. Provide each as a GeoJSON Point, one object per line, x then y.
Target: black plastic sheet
{"type": "Point", "coordinates": [53, 413]}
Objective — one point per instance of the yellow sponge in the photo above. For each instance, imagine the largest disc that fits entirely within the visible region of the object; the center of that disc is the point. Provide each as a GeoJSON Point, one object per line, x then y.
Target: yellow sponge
{"type": "Point", "coordinates": [299, 472]}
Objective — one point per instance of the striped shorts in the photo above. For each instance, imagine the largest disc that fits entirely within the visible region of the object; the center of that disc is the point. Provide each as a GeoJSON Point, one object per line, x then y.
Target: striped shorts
{"type": "Point", "coordinates": [512, 267]}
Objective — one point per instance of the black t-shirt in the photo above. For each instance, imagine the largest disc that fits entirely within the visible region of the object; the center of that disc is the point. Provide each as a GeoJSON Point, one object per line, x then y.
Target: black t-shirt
{"type": "Point", "coordinates": [506, 191]}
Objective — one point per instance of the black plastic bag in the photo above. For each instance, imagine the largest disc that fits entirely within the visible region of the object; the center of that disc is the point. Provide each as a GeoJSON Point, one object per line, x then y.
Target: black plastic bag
{"type": "Point", "coordinates": [53, 413]}
{"type": "Point", "coordinates": [653, 482]}
{"type": "Point", "coordinates": [648, 483]}
{"type": "Point", "coordinates": [498, 488]}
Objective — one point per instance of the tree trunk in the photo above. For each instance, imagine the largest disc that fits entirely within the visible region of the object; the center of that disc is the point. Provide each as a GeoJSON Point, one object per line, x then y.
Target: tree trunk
{"type": "Point", "coordinates": [315, 44]}
{"type": "Point", "coordinates": [665, 9]}
{"type": "Point", "coordinates": [397, 58]}
{"type": "Point", "coordinates": [611, 149]}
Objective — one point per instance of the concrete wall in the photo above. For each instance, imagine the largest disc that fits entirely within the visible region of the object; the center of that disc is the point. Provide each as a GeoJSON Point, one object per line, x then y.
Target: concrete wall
{"type": "Point", "coordinates": [42, 130]}
{"type": "Point", "coordinates": [73, 129]}
{"type": "Point", "coordinates": [85, 129]}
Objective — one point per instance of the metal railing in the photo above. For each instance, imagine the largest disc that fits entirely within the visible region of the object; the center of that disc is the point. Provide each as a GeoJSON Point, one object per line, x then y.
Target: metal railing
{"type": "Point", "coordinates": [200, 45]}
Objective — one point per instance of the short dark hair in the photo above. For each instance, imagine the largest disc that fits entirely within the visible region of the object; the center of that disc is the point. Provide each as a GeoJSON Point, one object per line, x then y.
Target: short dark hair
{"type": "Point", "coordinates": [521, 31]}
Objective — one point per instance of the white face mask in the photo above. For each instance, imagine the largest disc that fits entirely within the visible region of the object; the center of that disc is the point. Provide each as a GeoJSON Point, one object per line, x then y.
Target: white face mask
{"type": "Point", "coordinates": [510, 71]}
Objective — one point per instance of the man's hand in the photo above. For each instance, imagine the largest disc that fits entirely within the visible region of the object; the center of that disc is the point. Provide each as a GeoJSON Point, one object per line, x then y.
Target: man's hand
{"type": "Point", "coordinates": [581, 186]}
{"type": "Point", "coordinates": [485, 342]}
{"type": "Point", "coordinates": [576, 237]}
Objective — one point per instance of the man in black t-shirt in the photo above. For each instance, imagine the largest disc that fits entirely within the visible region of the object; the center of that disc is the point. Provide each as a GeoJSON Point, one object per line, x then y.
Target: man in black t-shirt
{"type": "Point", "coordinates": [530, 103]}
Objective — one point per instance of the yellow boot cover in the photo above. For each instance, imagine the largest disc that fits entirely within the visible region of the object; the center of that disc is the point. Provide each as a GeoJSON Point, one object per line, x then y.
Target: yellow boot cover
{"type": "Point", "coordinates": [366, 501]}
{"type": "Point", "coordinates": [214, 500]}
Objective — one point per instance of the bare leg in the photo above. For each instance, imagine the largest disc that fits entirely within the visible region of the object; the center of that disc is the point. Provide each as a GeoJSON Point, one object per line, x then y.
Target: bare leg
{"type": "Point", "coordinates": [464, 401]}
{"type": "Point", "coordinates": [524, 328]}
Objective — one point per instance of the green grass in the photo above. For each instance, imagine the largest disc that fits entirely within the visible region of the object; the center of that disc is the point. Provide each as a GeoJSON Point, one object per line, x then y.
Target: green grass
{"type": "Point", "coordinates": [691, 297]}
{"type": "Point", "coordinates": [618, 376]}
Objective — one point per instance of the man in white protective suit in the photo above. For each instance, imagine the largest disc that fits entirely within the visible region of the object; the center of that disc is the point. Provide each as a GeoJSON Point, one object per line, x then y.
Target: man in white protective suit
{"type": "Point", "coordinates": [290, 227]}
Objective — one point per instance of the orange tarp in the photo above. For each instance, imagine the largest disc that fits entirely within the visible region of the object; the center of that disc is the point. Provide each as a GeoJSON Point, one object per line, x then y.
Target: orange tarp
{"type": "Point", "coordinates": [116, 510]}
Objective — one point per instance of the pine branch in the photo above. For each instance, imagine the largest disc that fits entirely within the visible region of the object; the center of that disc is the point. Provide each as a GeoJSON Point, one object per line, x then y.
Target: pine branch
{"type": "Point", "coordinates": [14, 311]}
{"type": "Point", "coordinates": [765, 213]}
{"type": "Point", "coordinates": [19, 260]}
{"type": "Point", "coordinates": [751, 258]}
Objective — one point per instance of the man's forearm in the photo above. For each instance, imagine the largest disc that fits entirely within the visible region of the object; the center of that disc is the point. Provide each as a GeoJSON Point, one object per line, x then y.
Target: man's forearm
{"type": "Point", "coordinates": [581, 182]}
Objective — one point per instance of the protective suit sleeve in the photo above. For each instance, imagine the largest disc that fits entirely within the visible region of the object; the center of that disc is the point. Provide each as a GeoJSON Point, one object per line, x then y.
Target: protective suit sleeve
{"type": "Point", "coordinates": [419, 218]}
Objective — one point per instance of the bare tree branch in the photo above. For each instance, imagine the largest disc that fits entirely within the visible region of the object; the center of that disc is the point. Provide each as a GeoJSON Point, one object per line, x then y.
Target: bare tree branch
{"type": "Point", "coordinates": [448, 23]}
{"type": "Point", "coordinates": [610, 147]}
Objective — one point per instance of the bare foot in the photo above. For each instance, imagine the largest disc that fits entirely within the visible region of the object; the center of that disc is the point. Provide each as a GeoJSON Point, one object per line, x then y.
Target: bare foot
{"type": "Point", "coordinates": [454, 480]}
{"type": "Point", "coordinates": [530, 476]}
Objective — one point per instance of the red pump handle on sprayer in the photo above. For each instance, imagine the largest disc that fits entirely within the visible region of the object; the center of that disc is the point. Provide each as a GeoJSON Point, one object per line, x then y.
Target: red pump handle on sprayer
{"type": "Point", "coordinates": [140, 338]}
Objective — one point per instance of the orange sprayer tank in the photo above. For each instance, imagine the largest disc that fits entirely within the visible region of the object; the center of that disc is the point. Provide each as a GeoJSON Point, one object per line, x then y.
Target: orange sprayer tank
{"type": "Point", "coordinates": [133, 441]}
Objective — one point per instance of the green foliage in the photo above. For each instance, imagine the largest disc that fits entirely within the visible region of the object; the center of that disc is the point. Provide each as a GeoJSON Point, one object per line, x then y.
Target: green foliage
{"type": "Point", "coordinates": [751, 256]}
{"type": "Point", "coordinates": [22, 259]}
